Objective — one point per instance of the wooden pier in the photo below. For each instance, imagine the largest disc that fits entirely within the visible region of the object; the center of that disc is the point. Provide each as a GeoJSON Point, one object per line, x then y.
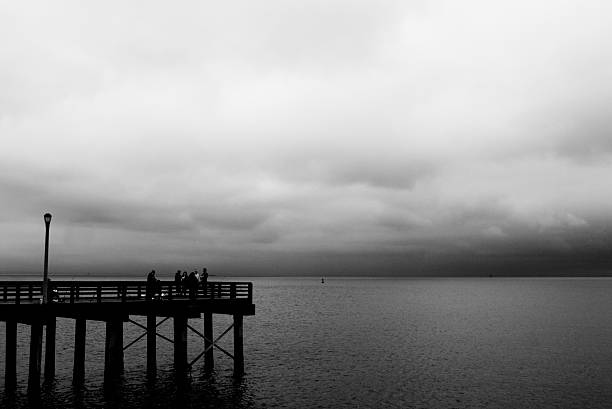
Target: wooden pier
{"type": "Point", "coordinates": [114, 302]}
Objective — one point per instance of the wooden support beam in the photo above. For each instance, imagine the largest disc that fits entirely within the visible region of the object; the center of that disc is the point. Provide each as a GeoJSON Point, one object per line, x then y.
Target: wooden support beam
{"type": "Point", "coordinates": [151, 345]}
{"type": "Point", "coordinates": [50, 348]}
{"type": "Point", "coordinates": [36, 329]}
{"type": "Point", "coordinates": [113, 354]}
{"type": "Point", "coordinates": [78, 370]}
{"type": "Point", "coordinates": [180, 344]}
{"type": "Point", "coordinates": [10, 368]}
{"type": "Point", "coordinates": [238, 347]}
{"type": "Point", "coordinates": [209, 359]}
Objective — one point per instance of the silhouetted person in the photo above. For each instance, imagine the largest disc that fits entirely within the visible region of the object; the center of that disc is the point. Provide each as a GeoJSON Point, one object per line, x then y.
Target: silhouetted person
{"type": "Point", "coordinates": [204, 277]}
{"type": "Point", "coordinates": [197, 278]}
{"type": "Point", "coordinates": [192, 283]}
{"type": "Point", "coordinates": [177, 281]}
{"type": "Point", "coordinates": [151, 285]}
{"type": "Point", "coordinates": [184, 283]}
{"type": "Point", "coordinates": [158, 288]}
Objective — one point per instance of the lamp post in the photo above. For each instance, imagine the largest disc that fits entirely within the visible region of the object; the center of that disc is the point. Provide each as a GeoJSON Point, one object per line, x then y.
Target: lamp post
{"type": "Point", "coordinates": [47, 218]}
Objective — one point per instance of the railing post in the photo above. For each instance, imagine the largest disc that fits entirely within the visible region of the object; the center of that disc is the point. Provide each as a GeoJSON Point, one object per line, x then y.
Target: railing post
{"type": "Point", "coordinates": [5, 293]}
{"type": "Point", "coordinates": [72, 293]}
{"type": "Point", "coordinates": [212, 290]}
{"type": "Point", "coordinates": [139, 291]}
{"type": "Point", "coordinates": [232, 290]}
{"type": "Point", "coordinates": [18, 294]}
{"type": "Point", "coordinates": [250, 292]}
{"type": "Point", "coordinates": [77, 290]}
{"type": "Point", "coordinates": [30, 293]}
{"type": "Point", "coordinates": [99, 293]}
{"type": "Point", "coordinates": [123, 292]}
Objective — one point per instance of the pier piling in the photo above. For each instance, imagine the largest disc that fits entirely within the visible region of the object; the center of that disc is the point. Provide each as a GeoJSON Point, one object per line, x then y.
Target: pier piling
{"type": "Point", "coordinates": [36, 329]}
{"type": "Point", "coordinates": [10, 368]}
{"type": "Point", "coordinates": [50, 348]}
{"type": "Point", "coordinates": [209, 359]}
{"type": "Point", "coordinates": [151, 345]}
{"type": "Point", "coordinates": [238, 349]}
{"type": "Point", "coordinates": [113, 356]}
{"type": "Point", "coordinates": [78, 370]}
{"type": "Point", "coordinates": [180, 344]}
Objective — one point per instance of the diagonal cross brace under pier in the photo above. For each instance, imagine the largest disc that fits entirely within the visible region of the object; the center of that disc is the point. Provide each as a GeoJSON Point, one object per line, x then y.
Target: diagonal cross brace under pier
{"type": "Point", "coordinates": [146, 332]}
{"type": "Point", "coordinates": [213, 344]}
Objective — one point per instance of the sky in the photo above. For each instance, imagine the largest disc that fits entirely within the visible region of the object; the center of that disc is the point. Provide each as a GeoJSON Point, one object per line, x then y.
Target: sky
{"type": "Point", "coordinates": [348, 137]}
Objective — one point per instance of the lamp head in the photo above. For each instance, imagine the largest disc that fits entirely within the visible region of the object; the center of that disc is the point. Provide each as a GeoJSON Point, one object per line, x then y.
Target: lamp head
{"type": "Point", "coordinates": [47, 218]}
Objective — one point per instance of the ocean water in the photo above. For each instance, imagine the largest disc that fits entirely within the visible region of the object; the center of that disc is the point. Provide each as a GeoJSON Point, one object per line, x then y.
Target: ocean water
{"type": "Point", "coordinates": [370, 343]}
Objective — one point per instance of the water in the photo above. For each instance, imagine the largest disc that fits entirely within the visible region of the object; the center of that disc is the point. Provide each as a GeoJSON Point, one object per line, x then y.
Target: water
{"type": "Point", "coordinates": [372, 343]}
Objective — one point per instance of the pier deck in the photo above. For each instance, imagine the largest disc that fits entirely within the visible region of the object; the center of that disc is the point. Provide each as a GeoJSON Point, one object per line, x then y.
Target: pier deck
{"type": "Point", "coordinates": [114, 302]}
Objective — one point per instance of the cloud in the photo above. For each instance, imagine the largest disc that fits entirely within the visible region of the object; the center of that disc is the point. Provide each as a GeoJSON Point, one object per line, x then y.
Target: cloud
{"type": "Point", "coordinates": [493, 232]}
{"type": "Point", "coordinates": [425, 132]}
{"type": "Point", "coordinates": [567, 220]}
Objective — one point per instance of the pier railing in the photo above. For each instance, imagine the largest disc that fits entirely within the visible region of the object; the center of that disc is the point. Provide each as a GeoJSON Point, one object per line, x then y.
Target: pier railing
{"type": "Point", "coordinates": [124, 291]}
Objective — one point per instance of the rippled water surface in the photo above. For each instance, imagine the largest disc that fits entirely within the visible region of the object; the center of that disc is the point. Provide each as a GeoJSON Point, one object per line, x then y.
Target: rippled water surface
{"type": "Point", "coordinates": [370, 343]}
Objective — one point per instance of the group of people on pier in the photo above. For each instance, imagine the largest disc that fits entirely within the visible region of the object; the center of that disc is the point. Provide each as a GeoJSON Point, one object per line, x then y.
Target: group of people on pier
{"type": "Point", "coordinates": [190, 283]}
{"type": "Point", "coordinates": [184, 283]}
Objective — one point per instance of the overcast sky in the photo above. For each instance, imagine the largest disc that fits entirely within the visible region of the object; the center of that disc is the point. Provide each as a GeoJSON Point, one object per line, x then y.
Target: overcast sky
{"type": "Point", "coordinates": [307, 137]}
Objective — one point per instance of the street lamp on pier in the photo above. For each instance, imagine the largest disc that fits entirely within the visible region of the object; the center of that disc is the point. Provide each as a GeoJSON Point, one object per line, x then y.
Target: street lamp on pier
{"type": "Point", "coordinates": [45, 286]}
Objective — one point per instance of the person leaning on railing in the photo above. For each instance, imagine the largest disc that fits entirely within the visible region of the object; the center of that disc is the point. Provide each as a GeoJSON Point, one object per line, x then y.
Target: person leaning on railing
{"type": "Point", "coordinates": [184, 283]}
{"type": "Point", "coordinates": [204, 279]}
{"type": "Point", "coordinates": [192, 284]}
{"type": "Point", "coordinates": [177, 281]}
{"type": "Point", "coordinates": [151, 285]}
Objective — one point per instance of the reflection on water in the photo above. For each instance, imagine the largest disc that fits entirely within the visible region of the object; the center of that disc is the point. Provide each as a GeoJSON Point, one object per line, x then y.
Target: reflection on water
{"type": "Point", "coordinates": [202, 391]}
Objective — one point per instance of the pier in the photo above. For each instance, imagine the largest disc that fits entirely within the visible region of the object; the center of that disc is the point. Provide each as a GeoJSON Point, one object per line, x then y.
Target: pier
{"type": "Point", "coordinates": [115, 302]}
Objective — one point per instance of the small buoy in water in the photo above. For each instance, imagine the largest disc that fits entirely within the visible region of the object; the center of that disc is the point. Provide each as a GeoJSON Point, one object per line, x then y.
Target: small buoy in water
{"type": "Point", "coordinates": [322, 281]}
